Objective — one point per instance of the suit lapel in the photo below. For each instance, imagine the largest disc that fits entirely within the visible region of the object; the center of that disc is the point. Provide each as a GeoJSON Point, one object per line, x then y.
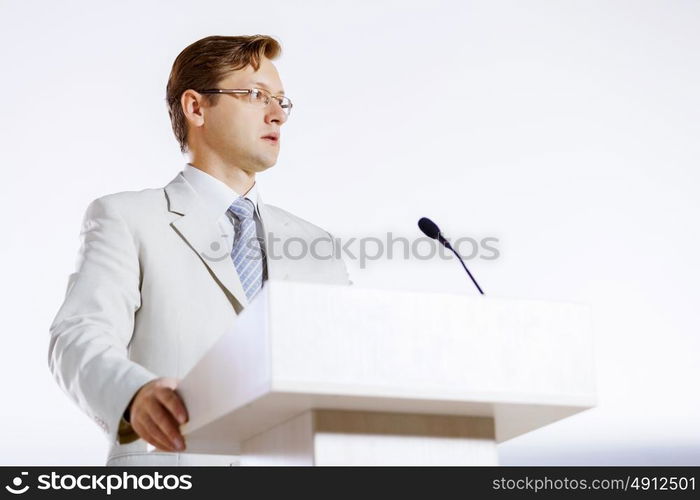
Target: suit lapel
{"type": "Point", "coordinates": [274, 230]}
{"type": "Point", "coordinates": [202, 234]}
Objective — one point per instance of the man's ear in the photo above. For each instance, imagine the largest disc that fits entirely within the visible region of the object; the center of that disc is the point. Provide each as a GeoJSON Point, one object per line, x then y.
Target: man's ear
{"type": "Point", "coordinates": [192, 103]}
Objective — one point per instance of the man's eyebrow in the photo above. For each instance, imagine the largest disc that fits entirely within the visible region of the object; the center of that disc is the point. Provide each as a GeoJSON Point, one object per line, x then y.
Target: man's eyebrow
{"type": "Point", "coordinates": [264, 85]}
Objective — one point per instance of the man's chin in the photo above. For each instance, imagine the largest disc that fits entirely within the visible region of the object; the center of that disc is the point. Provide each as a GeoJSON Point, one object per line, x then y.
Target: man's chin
{"type": "Point", "coordinates": [264, 165]}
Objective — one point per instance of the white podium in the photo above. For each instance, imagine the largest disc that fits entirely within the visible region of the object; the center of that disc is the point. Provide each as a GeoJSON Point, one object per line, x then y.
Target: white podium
{"type": "Point", "coordinates": [339, 375]}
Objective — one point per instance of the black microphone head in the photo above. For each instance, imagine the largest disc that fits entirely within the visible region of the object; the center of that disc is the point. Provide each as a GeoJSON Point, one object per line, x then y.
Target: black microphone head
{"type": "Point", "coordinates": [429, 228]}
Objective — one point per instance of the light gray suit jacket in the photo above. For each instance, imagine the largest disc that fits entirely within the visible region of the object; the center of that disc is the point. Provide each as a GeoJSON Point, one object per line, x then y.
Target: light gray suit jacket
{"type": "Point", "coordinates": [154, 288]}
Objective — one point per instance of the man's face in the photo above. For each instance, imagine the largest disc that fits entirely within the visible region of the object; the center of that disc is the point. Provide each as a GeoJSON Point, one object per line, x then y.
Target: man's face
{"type": "Point", "coordinates": [234, 128]}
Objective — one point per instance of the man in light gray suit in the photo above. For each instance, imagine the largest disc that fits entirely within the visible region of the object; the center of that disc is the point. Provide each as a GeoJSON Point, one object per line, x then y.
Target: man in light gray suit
{"type": "Point", "coordinates": [163, 273]}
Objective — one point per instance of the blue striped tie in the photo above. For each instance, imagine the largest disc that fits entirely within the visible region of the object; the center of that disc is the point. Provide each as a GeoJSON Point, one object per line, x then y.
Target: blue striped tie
{"type": "Point", "coordinates": [246, 252]}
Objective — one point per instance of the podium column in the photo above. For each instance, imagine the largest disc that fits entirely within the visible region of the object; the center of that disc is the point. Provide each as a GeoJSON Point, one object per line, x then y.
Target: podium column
{"type": "Point", "coordinates": [338, 437]}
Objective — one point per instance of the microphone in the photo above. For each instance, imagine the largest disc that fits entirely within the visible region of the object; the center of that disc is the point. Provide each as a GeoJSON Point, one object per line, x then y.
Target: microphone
{"type": "Point", "coordinates": [431, 230]}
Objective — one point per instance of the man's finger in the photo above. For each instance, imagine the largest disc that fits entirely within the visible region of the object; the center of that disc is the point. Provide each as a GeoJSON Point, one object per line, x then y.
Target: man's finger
{"type": "Point", "coordinates": [162, 417]}
{"type": "Point", "coordinates": [172, 401]}
{"type": "Point", "coordinates": [155, 435]}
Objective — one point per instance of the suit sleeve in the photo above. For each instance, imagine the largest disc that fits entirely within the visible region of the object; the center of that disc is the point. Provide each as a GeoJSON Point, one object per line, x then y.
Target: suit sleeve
{"type": "Point", "coordinates": [89, 337]}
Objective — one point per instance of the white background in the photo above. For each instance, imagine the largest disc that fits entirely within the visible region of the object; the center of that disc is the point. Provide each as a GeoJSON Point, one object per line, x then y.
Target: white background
{"type": "Point", "coordinates": [569, 130]}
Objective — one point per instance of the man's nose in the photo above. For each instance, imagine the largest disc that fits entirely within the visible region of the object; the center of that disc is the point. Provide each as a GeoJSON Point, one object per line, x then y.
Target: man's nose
{"type": "Point", "coordinates": [275, 113]}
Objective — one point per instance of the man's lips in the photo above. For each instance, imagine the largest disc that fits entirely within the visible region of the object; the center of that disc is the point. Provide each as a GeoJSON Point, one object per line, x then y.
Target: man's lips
{"type": "Point", "coordinates": [271, 138]}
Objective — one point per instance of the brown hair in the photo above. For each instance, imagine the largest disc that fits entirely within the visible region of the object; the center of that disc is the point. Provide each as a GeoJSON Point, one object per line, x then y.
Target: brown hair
{"type": "Point", "coordinates": [207, 61]}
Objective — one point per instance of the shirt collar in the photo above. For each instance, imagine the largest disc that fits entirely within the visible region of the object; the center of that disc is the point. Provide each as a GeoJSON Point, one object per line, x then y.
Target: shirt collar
{"type": "Point", "coordinates": [215, 194]}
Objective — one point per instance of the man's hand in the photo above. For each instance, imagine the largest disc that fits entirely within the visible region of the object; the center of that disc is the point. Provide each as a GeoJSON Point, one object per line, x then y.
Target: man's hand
{"type": "Point", "coordinates": [156, 413]}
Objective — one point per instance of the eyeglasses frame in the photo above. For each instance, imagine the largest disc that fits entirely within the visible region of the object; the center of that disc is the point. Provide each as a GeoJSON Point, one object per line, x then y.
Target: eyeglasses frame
{"type": "Point", "coordinates": [267, 94]}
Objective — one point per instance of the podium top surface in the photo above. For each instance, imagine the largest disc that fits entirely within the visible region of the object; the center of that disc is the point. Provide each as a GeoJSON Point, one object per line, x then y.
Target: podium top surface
{"type": "Point", "coordinates": [301, 346]}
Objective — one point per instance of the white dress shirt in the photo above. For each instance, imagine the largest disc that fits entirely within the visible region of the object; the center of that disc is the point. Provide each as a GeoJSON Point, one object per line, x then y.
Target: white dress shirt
{"type": "Point", "coordinates": [217, 198]}
{"type": "Point", "coordinates": [215, 193]}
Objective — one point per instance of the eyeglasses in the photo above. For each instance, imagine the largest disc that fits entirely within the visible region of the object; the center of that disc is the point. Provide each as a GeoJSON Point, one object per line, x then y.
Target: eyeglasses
{"type": "Point", "coordinates": [258, 97]}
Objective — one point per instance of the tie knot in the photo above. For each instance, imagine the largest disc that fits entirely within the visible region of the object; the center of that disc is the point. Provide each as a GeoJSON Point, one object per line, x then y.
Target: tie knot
{"type": "Point", "coordinates": [242, 208]}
